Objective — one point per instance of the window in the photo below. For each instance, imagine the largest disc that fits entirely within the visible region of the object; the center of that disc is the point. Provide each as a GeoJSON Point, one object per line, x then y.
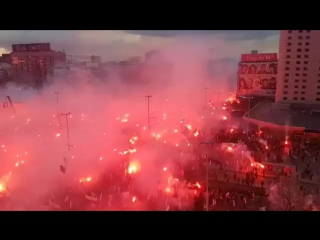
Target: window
{"type": "Point", "coordinates": [286, 75]}
{"type": "Point", "coordinates": [287, 68]}
{"type": "Point", "coordinates": [303, 93]}
{"type": "Point", "coordinates": [317, 99]}
{"type": "Point", "coordinates": [286, 80]}
{"type": "Point", "coordinates": [307, 37]}
{"type": "Point", "coordinates": [300, 37]}
{"type": "Point", "coordinates": [295, 92]}
{"type": "Point", "coordinates": [306, 56]}
{"type": "Point", "coordinates": [289, 44]}
{"type": "Point", "coordinates": [299, 44]}
{"type": "Point", "coordinates": [285, 98]}
{"type": "Point", "coordinates": [300, 31]}
{"type": "Point", "coordinates": [289, 38]}
{"type": "Point", "coordinates": [303, 87]}
{"type": "Point", "coordinates": [305, 62]}
{"type": "Point", "coordinates": [297, 80]}
{"type": "Point", "coordinates": [318, 87]}
{"type": "Point", "coordinates": [289, 31]}
{"type": "Point", "coordinates": [288, 50]}
{"type": "Point", "coordinates": [285, 86]}
{"type": "Point", "coordinates": [295, 86]}
{"type": "Point", "coordinates": [288, 56]}
{"type": "Point", "coordinates": [318, 81]}
{"type": "Point", "coordinates": [305, 68]}
{"type": "Point", "coordinates": [295, 98]}
{"type": "Point", "coordinates": [299, 50]}
{"type": "Point", "coordinates": [318, 74]}
{"type": "Point", "coordinates": [304, 80]}
{"type": "Point", "coordinates": [297, 68]}
{"type": "Point", "coordinates": [307, 49]}
{"type": "Point", "coordinates": [285, 92]}
{"type": "Point", "coordinates": [287, 62]}
{"type": "Point", "coordinates": [307, 43]}
{"type": "Point", "coordinates": [303, 98]}
{"type": "Point", "coordinates": [318, 93]}
{"type": "Point", "coordinates": [308, 31]}
{"type": "Point", "coordinates": [297, 74]}
{"type": "Point", "coordinates": [298, 56]}
{"type": "Point", "coordinates": [304, 74]}
{"type": "Point", "coordinates": [298, 62]}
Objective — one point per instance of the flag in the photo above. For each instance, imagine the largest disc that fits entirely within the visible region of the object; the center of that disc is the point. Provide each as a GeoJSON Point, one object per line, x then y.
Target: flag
{"type": "Point", "coordinates": [91, 198]}
{"type": "Point", "coordinates": [126, 194]}
{"type": "Point", "coordinates": [52, 204]}
{"type": "Point", "coordinates": [262, 209]}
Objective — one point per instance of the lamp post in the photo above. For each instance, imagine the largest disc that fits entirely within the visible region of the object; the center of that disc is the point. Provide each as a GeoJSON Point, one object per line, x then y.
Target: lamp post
{"type": "Point", "coordinates": [67, 122]}
{"type": "Point", "coordinates": [148, 97]}
{"type": "Point", "coordinates": [58, 114]}
{"type": "Point", "coordinates": [207, 177]}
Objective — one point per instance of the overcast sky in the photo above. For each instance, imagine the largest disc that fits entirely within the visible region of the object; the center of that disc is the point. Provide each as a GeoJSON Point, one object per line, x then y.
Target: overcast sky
{"type": "Point", "coordinates": [119, 45]}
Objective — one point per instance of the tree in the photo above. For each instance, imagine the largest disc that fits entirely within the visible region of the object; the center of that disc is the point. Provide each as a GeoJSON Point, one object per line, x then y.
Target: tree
{"type": "Point", "coordinates": [284, 197]}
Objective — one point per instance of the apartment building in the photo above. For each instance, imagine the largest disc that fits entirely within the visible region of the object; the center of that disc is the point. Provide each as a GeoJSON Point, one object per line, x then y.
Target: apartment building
{"type": "Point", "coordinates": [34, 62]}
{"type": "Point", "coordinates": [299, 67]}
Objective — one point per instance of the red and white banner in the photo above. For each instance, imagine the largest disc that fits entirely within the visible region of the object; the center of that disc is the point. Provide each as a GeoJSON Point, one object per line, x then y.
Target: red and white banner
{"type": "Point", "coordinates": [259, 57]}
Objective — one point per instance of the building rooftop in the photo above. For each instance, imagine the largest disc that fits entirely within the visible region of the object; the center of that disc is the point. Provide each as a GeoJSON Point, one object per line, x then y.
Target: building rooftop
{"type": "Point", "coordinates": [294, 115]}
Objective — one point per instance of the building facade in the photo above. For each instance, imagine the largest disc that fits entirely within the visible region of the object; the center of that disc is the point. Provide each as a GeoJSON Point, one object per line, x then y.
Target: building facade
{"type": "Point", "coordinates": [299, 67]}
{"type": "Point", "coordinates": [33, 63]}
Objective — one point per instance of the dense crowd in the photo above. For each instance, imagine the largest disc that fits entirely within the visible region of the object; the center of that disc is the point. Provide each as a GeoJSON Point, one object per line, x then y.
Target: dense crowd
{"type": "Point", "coordinates": [235, 183]}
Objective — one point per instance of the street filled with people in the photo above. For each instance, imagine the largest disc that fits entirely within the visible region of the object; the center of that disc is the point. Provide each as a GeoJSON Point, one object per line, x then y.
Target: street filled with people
{"type": "Point", "coordinates": [225, 166]}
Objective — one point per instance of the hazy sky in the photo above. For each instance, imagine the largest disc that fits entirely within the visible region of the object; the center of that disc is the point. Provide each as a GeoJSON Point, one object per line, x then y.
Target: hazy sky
{"type": "Point", "coordinates": [119, 45]}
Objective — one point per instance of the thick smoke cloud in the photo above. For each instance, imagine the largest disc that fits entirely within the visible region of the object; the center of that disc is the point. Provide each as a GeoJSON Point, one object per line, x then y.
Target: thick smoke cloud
{"type": "Point", "coordinates": [105, 114]}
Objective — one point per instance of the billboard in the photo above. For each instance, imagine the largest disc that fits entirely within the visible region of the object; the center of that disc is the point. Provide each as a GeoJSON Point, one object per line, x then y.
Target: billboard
{"type": "Point", "coordinates": [259, 57]}
{"type": "Point", "coordinates": [31, 47]}
{"type": "Point", "coordinates": [78, 58]}
{"type": "Point", "coordinates": [259, 78]}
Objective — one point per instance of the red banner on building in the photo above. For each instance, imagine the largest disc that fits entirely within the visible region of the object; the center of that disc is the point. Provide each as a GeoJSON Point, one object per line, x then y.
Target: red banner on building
{"type": "Point", "coordinates": [259, 57]}
{"type": "Point", "coordinates": [32, 47]}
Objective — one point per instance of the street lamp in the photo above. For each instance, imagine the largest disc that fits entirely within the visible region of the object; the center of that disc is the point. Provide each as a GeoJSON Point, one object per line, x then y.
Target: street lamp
{"type": "Point", "coordinates": [207, 177]}
{"type": "Point", "coordinates": [205, 95]}
{"type": "Point", "coordinates": [148, 97]}
{"type": "Point", "coordinates": [67, 122]}
{"type": "Point", "coordinates": [58, 114]}
{"type": "Point", "coordinates": [248, 115]}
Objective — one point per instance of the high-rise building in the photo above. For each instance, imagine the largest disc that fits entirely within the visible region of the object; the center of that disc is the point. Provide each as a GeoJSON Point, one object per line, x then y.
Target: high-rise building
{"type": "Point", "coordinates": [299, 67]}
{"type": "Point", "coordinates": [33, 63]}
{"type": "Point", "coordinates": [297, 108]}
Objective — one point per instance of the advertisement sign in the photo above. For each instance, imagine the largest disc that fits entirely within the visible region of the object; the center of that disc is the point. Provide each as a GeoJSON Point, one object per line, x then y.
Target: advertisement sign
{"type": "Point", "coordinates": [78, 58]}
{"type": "Point", "coordinates": [257, 78]}
{"type": "Point", "coordinates": [32, 47]}
{"type": "Point", "coordinates": [259, 57]}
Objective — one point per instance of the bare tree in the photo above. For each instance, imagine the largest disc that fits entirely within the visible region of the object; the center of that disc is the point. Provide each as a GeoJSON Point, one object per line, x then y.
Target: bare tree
{"type": "Point", "coordinates": [286, 198]}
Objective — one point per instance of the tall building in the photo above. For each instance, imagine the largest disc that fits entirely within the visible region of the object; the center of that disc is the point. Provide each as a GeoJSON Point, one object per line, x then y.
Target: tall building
{"type": "Point", "coordinates": [299, 67]}
{"type": "Point", "coordinates": [33, 63]}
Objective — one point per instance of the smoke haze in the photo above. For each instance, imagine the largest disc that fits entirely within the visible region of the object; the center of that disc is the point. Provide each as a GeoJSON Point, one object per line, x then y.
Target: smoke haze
{"type": "Point", "coordinates": [105, 114]}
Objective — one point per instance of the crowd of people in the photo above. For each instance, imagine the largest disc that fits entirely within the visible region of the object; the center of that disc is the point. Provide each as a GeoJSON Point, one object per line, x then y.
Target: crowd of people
{"type": "Point", "coordinates": [234, 182]}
